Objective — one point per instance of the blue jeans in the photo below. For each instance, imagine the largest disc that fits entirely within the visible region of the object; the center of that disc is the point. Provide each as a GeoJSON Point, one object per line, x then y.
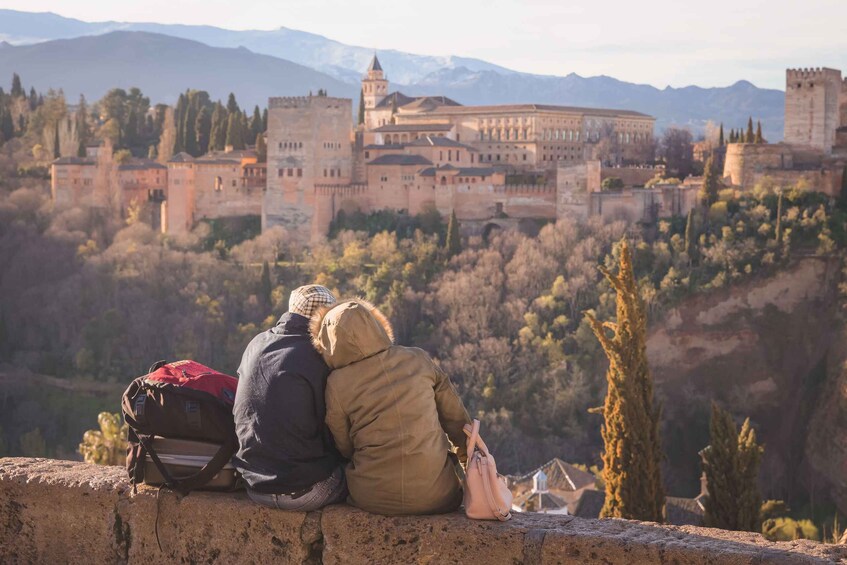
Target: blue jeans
{"type": "Point", "coordinates": [331, 490]}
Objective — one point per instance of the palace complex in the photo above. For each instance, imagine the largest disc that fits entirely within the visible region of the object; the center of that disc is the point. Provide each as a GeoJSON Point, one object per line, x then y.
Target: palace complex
{"type": "Point", "coordinates": [494, 166]}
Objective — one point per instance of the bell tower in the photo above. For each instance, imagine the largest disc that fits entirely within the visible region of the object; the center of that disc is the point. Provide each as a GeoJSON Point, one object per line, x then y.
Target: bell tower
{"type": "Point", "coordinates": [374, 85]}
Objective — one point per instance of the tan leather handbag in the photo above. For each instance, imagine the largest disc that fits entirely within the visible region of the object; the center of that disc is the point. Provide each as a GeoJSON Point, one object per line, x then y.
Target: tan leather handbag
{"type": "Point", "coordinates": [486, 495]}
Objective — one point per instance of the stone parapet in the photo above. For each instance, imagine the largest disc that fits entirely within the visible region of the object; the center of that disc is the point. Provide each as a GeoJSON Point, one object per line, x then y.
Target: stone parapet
{"type": "Point", "coordinates": [64, 511]}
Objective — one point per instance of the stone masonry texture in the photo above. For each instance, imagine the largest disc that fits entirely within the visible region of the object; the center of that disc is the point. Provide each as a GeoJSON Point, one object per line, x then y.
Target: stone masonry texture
{"type": "Point", "coordinates": [63, 511]}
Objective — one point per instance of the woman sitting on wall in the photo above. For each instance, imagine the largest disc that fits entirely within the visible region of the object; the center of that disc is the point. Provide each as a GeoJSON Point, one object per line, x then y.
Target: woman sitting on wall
{"type": "Point", "coordinates": [389, 408]}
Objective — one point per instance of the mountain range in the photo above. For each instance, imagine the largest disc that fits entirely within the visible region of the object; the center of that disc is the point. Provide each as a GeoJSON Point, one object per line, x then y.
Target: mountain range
{"type": "Point", "coordinates": [49, 50]}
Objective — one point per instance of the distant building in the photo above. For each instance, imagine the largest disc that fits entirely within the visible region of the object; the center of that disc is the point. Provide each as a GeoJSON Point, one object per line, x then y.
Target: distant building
{"type": "Point", "coordinates": [814, 150]}
{"type": "Point", "coordinates": [553, 488]}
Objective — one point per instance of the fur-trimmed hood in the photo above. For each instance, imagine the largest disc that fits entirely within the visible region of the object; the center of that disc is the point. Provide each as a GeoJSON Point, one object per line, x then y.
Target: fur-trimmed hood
{"type": "Point", "coordinates": [349, 332]}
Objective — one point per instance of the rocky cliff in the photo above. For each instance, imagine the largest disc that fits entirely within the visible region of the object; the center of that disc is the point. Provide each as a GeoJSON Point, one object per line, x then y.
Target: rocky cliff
{"type": "Point", "coordinates": [771, 349]}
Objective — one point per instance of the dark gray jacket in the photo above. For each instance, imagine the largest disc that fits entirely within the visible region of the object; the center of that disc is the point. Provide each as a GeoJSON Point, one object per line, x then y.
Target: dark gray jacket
{"type": "Point", "coordinates": [284, 445]}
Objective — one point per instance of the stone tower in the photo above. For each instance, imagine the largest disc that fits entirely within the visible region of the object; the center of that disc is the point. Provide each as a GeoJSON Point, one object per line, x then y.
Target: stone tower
{"type": "Point", "coordinates": [309, 144]}
{"type": "Point", "coordinates": [374, 85]}
{"type": "Point", "coordinates": [812, 107]}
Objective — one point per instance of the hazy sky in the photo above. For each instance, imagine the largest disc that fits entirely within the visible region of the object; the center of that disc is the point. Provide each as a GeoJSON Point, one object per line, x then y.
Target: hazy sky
{"type": "Point", "coordinates": [660, 42]}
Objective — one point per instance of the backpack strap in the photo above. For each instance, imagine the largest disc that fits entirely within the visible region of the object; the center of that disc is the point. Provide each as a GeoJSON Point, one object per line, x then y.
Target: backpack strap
{"type": "Point", "coordinates": [210, 469]}
{"type": "Point", "coordinates": [185, 485]}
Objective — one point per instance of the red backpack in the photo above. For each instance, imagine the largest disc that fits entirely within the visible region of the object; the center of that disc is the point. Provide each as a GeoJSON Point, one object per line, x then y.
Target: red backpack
{"type": "Point", "coordinates": [180, 400]}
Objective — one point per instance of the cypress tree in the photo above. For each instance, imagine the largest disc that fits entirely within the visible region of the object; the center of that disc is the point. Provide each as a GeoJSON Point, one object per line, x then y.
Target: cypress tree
{"type": "Point", "coordinates": [231, 104]}
{"type": "Point", "coordinates": [82, 120]}
{"type": "Point", "coordinates": [759, 138]}
{"type": "Point", "coordinates": [33, 99]}
{"type": "Point", "coordinates": [189, 130]}
{"type": "Point", "coordinates": [265, 119]}
{"type": "Point", "coordinates": [751, 137]}
{"type": "Point", "coordinates": [234, 133]}
{"type": "Point", "coordinates": [720, 137]}
{"type": "Point", "coordinates": [217, 136]}
{"type": "Point", "coordinates": [256, 123]}
{"type": "Point", "coordinates": [632, 456]}
{"type": "Point", "coordinates": [265, 284]}
{"type": "Point", "coordinates": [453, 243]}
{"type": "Point", "coordinates": [179, 117]}
{"type": "Point", "coordinates": [731, 464]}
{"type": "Point", "coordinates": [261, 148]}
{"type": "Point", "coordinates": [843, 197]}
{"type": "Point", "coordinates": [57, 149]}
{"type": "Point", "coordinates": [708, 193]}
{"type": "Point", "coordinates": [361, 106]}
{"type": "Point", "coordinates": [7, 124]}
{"type": "Point", "coordinates": [690, 236]}
{"type": "Point", "coordinates": [17, 89]}
{"type": "Point", "coordinates": [203, 130]}
{"type": "Point", "coordinates": [732, 136]}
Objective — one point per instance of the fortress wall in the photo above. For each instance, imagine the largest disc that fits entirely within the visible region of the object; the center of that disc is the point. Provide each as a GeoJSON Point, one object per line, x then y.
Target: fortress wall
{"type": "Point", "coordinates": [631, 176]}
{"type": "Point", "coordinates": [64, 511]}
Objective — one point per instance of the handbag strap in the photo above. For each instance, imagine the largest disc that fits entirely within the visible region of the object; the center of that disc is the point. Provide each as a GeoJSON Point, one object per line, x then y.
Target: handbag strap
{"type": "Point", "coordinates": [474, 439]}
{"type": "Point", "coordinates": [489, 493]}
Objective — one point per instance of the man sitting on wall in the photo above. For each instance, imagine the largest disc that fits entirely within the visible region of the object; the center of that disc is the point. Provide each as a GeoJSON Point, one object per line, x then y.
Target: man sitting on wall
{"type": "Point", "coordinates": [286, 455]}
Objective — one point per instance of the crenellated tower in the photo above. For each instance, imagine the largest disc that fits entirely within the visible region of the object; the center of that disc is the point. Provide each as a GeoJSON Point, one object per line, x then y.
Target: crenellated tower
{"type": "Point", "coordinates": [812, 113]}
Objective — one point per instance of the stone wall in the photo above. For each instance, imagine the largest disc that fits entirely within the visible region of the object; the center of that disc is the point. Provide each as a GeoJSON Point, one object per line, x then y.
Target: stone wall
{"type": "Point", "coordinates": [63, 511]}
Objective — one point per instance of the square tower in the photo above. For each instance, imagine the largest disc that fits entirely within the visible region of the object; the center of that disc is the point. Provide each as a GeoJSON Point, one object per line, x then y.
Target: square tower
{"type": "Point", "coordinates": [812, 107]}
{"type": "Point", "coordinates": [309, 143]}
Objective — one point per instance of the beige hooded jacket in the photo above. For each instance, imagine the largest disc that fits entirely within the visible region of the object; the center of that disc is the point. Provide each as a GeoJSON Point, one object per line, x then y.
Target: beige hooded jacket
{"type": "Point", "coordinates": [389, 408]}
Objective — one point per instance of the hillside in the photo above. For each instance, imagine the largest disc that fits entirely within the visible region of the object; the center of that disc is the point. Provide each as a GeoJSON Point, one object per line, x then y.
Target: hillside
{"type": "Point", "coordinates": [470, 81]}
{"type": "Point", "coordinates": [162, 66]}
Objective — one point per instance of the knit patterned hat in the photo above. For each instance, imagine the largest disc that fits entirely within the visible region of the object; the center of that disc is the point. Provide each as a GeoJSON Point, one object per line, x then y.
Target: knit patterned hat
{"type": "Point", "coordinates": [307, 299]}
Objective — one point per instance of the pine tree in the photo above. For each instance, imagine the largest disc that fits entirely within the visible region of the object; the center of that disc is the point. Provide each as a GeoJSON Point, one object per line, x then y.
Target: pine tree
{"type": "Point", "coordinates": [731, 464]}
{"type": "Point", "coordinates": [265, 285]}
{"type": "Point", "coordinates": [720, 137]}
{"type": "Point", "coordinates": [231, 104]}
{"type": "Point", "coordinates": [453, 243]}
{"type": "Point", "coordinates": [632, 456]}
{"type": "Point", "coordinates": [759, 138]}
{"type": "Point", "coordinates": [751, 137]}
{"type": "Point", "coordinates": [261, 148]}
{"type": "Point", "coordinates": [234, 133]}
{"type": "Point", "coordinates": [361, 106]}
{"type": "Point", "coordinates": [17, 89]}
{"type": "Point", "coordinates": [708, 193]}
